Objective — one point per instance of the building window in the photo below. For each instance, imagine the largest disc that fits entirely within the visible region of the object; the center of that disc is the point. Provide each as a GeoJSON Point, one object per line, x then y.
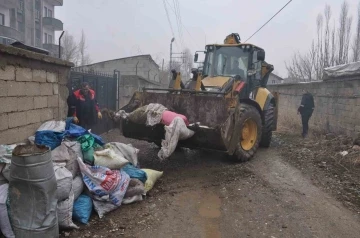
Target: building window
{"type": "Point", "coordinates": [21, 26]}
{"type": "Point", "coordinates": [49, 13]}
{"type": "Point", "coordinates": [50, 39]}
{"type": "Point", "coordinates": [21, 6]}
{"type": "Point", "coordinates": [273, 82]}
{"type": "Point", "coordinates": [45, 38]}
{"type": "Point", "coordinates": [2, 19]}
{"type": "Point", "coordinates": [45, 12]}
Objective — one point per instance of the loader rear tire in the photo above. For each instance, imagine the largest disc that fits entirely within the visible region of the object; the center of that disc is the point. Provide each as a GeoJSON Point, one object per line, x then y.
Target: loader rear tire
{"type": "Point", "coordinates": [250, 133]}
{"type": "Point", "coordinates": [269, 116]}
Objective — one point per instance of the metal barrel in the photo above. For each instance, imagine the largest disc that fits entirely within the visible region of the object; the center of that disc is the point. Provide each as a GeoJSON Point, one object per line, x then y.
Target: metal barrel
{"type": "Point", "coordinates": [32, 193]}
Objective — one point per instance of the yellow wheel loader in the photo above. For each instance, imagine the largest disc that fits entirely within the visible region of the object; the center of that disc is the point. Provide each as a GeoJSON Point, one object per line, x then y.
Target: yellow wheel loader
{"type": "Point", "coordinates": [226, 100]}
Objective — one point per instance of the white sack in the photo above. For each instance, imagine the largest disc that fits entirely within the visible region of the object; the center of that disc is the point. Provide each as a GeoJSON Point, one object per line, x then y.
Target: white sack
{"type": "Point", "coordinates": [133, 199]}
{"type": "Point", "coordinates": [65, 211]}
{"type": "Point", "coordinates": [107, 187]}
{"type": "Point", "coordinates": [64, 181]}
{"type": "Point", "coordinates": [109, 159]}
{"type": "Point", "coordinates": [58, 126]}
{"type": "Point", "coordinates": [176, 131]}
{"type": "Point", "coordinates": [154, 113]}
{"type": "Point", "coordinates": [5, 225]}
{"type": "Point", "coordinates": [78, 186]}
{"type": "Point", "coordinates": [129, 152]}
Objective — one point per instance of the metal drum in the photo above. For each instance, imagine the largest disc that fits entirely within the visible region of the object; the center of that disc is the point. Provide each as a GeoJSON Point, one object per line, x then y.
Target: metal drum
{"type": "Point", "coordinates": [32, 193]}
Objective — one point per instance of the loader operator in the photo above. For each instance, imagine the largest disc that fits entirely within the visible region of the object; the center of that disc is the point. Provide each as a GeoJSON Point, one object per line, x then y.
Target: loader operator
{"type": "Point", "coordinates": [83, 106]}
{"type": "Point", "coordinates": [236, 70]}
{"type": "Point", "coordinates": [306, 109]}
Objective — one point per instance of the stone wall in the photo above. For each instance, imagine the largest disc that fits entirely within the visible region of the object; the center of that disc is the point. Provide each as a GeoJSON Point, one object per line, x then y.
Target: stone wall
{"type": "Point", "coordinates": [33, 89]}
{"type": "Point", "coordinates": [337, 105]}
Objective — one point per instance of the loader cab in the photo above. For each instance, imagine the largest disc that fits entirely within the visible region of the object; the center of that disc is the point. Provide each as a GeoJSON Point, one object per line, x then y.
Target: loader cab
{"type": "Point", "coordinates": [244, 60]}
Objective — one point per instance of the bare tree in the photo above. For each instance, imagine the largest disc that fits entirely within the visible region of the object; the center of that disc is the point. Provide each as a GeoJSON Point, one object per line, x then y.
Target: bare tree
{"type": "Point", "coordinates": [69, 48]}
{"type": "Point", "coordinates": [356, 44]}
{"type": "Point", "coordinates": [331, 46]}
{"type": "Point", "coordinates": [343, 33]}
{"type": "Point", "coordinates": [317, 54]}
{"type": "Point", "coordinates": [327, 14]}
{"type": "Point", "coordinates": [333, 49]}
{"type": "Point", "coordinates": [84, 58]}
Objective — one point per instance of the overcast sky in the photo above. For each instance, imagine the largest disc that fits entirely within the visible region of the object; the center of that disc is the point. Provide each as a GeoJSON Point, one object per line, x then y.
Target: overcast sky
{"type": "Point", "coordinates": [121, 28]}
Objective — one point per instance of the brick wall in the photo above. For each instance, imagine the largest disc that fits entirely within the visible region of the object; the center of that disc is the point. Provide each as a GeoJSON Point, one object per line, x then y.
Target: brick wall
{"type": "Point", "coordinates": [32, 90]}
{"type": "Point", "coordinates": [337, 105]}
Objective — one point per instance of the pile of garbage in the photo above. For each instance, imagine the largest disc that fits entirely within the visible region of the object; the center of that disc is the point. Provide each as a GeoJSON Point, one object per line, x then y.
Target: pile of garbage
{"type": "Point", "coordinates": [90, 174]}
{"type": "Point", "coordinates": [150, 115]}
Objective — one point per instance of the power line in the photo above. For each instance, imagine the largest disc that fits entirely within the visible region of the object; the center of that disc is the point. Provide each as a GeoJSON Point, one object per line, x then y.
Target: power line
{"type": "Point", "coordinates": [168, 18]}
{"type": "Point", "coordinates": [269, 20]}
{"type": "Point", "coordinates": [178, 15]}
{"type": "Point", "coordinates": [193, 41]}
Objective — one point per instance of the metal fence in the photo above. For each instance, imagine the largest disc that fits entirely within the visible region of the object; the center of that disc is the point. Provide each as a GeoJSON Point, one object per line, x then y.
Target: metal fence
{"type": "Point", "coordinates": [105, 86]}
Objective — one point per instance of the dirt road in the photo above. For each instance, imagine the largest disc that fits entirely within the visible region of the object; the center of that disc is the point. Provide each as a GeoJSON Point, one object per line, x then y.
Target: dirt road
{"type": "Point", "coordinates": [202, 194]}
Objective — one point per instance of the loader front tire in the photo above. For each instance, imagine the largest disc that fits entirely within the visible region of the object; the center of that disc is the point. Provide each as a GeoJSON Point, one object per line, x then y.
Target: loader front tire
{"type": "Point", "coordinates": [269, 116]}
{"type": "Point", "coordinates": [250, 132]}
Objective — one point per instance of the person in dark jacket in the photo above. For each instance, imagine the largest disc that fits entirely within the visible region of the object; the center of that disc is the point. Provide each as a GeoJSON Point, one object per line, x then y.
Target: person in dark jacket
{"type": "Point", "coordinates": [306, 110]}
{"type": "Point", "coordinates": [83, 106]}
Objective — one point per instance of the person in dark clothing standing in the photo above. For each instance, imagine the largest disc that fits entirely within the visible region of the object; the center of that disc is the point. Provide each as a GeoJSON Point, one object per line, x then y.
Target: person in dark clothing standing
{"type": "Point", "coordinates": [306, 110]}
{"type": "Point", "coordinates": [83, 106]}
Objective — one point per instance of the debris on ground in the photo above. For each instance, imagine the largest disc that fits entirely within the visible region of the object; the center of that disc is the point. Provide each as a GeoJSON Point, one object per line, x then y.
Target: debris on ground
{"type": "Point", "coordinates": [88, 172]}
{"type": "Point", "coordinates": [337, 156]}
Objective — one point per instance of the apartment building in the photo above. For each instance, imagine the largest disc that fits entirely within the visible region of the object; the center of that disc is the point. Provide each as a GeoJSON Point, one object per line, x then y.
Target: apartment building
{"type": "Point", "coordinates": [31, 22]}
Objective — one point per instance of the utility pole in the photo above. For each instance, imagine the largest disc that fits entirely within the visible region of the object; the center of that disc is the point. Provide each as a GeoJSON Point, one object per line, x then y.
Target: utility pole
{"type": "Point", "coordinates": [162, 68]}
{"type": "Point", "coordinates": [172, 40]}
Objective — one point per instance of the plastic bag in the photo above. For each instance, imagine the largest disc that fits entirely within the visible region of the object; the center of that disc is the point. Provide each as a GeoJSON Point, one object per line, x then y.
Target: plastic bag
{"type": "Point", "coordinates": [109, 159]}
{"type": "Point", "coordinates": [5, 225]}
{"type": "Point", "coordinates": [152, 177]}
{"type": "Point", "coordinates": [64, 181]}
{"type": "Point", "coordinates": [173, 133]}
{"type": "Point", "coordinates": [169, 116]}
{"type": "Point", "coordinates": [107, 187]}
{"type": "Point", "coordinates": [127, 151]}
{"type": "Point", "coordinates": [135, 173]}
{"type": "Point", "coordinates": [78, 186]}
{"type": "Point", "coordinates": [82, 209]}
{"type": "Point", "coordinates": [65, 212]}
{"type": "Point", "coordinates": [136, 187]}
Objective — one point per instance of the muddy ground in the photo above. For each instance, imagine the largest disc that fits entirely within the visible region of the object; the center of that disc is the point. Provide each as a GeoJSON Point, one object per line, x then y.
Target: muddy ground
{"type": "Point", "coordinates": [296, 188]}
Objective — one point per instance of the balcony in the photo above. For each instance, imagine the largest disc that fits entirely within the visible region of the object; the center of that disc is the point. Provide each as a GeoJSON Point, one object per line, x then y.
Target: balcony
{"type": "Point", "coordinates": [11, 33]}
{"type": "Point", "coordinates": [8, 4]}
{"type": "Point", "coordinates": [52, 48]}
{"type": "Point", "coordinates": [53, 23]}
{"type": "Point", "coordinates": [55, 2]}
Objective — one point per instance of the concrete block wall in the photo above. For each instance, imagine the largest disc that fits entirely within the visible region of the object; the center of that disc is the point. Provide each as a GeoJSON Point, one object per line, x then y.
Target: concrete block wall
{"type": "Point", "coordinates": [33, 89]}
{"type": "Point", "coordinates": [337, 105]}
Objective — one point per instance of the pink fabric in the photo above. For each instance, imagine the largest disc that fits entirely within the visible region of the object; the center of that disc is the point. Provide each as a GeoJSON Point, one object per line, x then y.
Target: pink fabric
{"type": "Point", "coordinates": [168, 117]}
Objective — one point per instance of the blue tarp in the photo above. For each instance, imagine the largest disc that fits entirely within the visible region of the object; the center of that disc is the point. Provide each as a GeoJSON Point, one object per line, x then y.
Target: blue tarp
{"type": "Point", "coordinates": [76, 131]}
{"type": "Point", "coordinates": [134, 172]}
{"type": "Point", "coordinates": [53, 139]}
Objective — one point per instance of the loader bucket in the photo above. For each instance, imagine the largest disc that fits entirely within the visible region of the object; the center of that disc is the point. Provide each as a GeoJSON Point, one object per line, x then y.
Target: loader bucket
{"type": "Point", "coordinates": [212, 111]}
